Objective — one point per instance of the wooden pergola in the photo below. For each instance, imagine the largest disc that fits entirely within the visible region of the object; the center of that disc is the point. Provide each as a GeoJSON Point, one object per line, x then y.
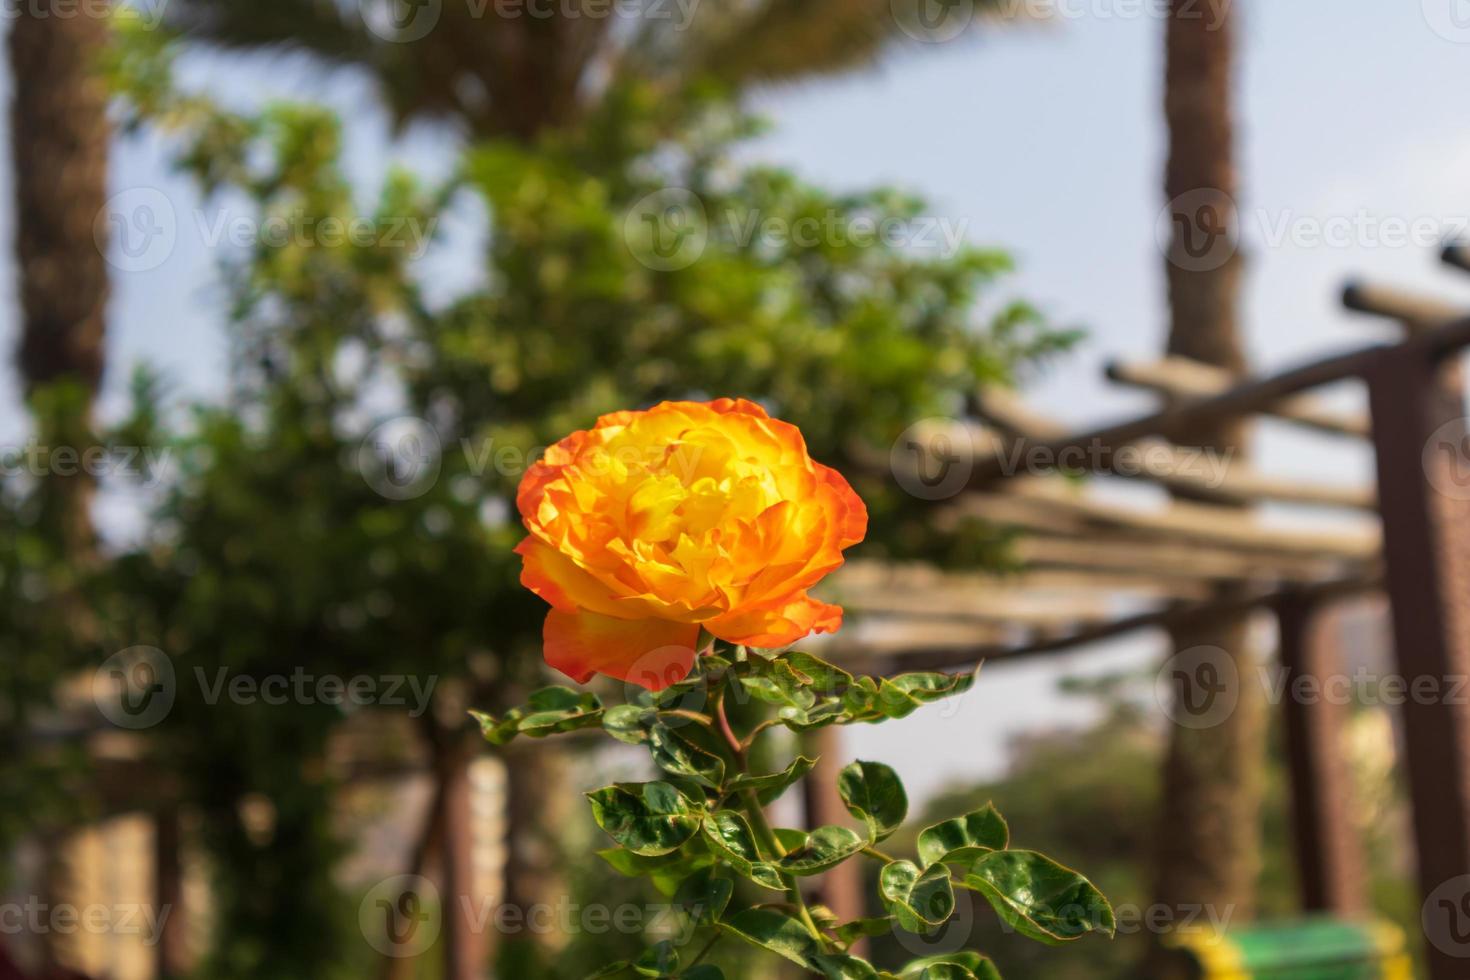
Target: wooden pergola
{"type": "Point", "coordinates": [1093, 569]}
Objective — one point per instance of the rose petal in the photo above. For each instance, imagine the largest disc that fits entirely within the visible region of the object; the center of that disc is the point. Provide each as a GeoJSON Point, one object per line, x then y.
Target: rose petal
{"type": "Point", "coordinates": [651, 653]}
{"type": "Point", "coordinates": [778, 626]}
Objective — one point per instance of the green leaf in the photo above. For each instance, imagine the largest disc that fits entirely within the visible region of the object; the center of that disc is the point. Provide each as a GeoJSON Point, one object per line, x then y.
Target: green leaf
{"type": "Point", "coordinates": [964, 838]}
{"type": "Point", "coordinates": [821, 849]}
{"type": "Point", "coordinates": [658, 960]}
{"type": "Point", "coordinates": [732, 838]}
{"type": "Point", "coordinates": [874, 794]}
{"type": "Point", "coordinates": [704, 895]}
{"type": "Point", "coordinates": [968, 962]}
{"type": "Point", "coordinates": [899, 697]}
{"type": "Point", "coordinates": [843, 966]}
{"type": "Point", "coordinates": [686, 751]}
{"type": "Point", "coordinates": [1039, 898]}
{"type": "Point", "coordinates": [627, 723]}
{"type": "Point", "coordinates": [775, 931]}
{"type": "Point", "coordinates": [646, 818]}
{"type": "Point", "coordinates": [850, 932]}
{"type": "Point", "coordinates": [769, 787]}
{"type": "Point", "coordinates": [619, 969]}
{"type": "Point", "coordinates": [917, 899]}
{"type": "Point", "coordinates": [546, 712]}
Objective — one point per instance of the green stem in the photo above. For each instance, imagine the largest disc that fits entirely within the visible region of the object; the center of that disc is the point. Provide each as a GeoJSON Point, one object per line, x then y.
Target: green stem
{"type": "Point", "coordinates": [756, 814]}
{"type": "Point", "coordinates": [878, 855]}
{"type": "Point", "coordinates": [751, 804]}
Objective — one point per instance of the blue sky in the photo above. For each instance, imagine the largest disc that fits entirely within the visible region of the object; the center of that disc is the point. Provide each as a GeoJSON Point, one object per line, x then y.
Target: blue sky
{"type": "Point", "coordinates": [1046, 140]}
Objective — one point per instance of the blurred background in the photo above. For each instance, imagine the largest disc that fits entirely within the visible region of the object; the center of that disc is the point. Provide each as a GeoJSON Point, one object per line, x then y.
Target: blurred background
{"type": "Point", "coordinates": [299, 288]}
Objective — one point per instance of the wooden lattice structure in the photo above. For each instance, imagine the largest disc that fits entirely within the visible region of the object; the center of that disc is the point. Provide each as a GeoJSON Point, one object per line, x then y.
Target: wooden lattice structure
{"type": "Point", "coordinates": [1095, 569]}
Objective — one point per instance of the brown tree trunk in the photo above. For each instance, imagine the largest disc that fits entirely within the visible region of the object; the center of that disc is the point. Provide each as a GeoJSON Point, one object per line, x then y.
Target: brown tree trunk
{"type": "Point", "coordinates": [59, 139]}
{"type": "Point", "coordinates": [1210, 820]}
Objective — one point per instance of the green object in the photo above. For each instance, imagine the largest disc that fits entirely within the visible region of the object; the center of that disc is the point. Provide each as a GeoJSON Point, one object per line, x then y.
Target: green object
{"type": "Point", "coordinates": [1313, 949]}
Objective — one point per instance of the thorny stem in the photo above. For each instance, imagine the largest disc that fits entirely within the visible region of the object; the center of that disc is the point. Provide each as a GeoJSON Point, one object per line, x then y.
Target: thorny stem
{"type": "Point", "coordinates": [756, 814]}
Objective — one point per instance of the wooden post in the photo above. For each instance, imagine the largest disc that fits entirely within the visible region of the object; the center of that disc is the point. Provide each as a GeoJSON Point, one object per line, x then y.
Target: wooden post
{"type": "Point", "coordinates": [171, 955]}
{"type": "Point", "coordinates": [1328, 851]}
{"type": "Point", "coordinates": [1427, 561]}
{"type": "Point", "coordinates": [841, 888]}
{"type": "Point", "coordinates": [464, 944]}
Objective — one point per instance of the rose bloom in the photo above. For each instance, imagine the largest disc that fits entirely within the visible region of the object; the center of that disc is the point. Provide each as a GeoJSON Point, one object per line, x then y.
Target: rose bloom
{"type": "Point", "coordinates": [654, 524]}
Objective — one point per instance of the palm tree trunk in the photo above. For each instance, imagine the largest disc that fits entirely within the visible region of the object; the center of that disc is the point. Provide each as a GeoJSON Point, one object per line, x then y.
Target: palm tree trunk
{"type": "Point", "coordinates": [1210, 820]}
{"type": "Point", "coordinates": [59, 139]}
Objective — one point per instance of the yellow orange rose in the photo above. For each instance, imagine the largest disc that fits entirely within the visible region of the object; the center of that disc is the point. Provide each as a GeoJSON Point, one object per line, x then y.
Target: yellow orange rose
{"type": "Point", "coordinates": [654, 524]}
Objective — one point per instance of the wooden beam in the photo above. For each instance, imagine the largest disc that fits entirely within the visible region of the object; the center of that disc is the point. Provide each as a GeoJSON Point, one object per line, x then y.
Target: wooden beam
{"type": "Point", "coordinates": [1417, 313]}
{"type": "Point", "coordinates": [1157, 460]}
{"type": "Point", "coordinates": [1249, 397]}
{"type": "Point", "coordinates": [1330, 869]}
{"type": "Point", "coordinates": [1111, 553]}
{"type": "Point", "coordinates": [1051, 500]}
{"type": "Point", "coordinates": [1182, 379]}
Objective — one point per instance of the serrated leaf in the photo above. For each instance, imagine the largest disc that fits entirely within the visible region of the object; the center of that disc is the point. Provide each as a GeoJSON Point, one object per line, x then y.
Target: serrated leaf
{"type": "Point", "coordinates": [627, 723]}
{"type": "Point", "coordinates": [843, 966]}
{"type": "Point", "coordinates": [704, 895]}
{"type": "Point", "coordinates": [769, 787]}
{"type": "Point", "coordinates": [731, 836]}
{"type": "Point", "coordinates": [917, 899]}
{"type": "Point", "coordinates": [686, 752]}
{"type": "Point", "coordinates": [874, 794]}
{"type": "Point", "coordinates": [968, 962]}
{"type": "Point", "coordinates": [964, 838]}
{"type": "Point", "coordinates": [658, 960]}
{"type": "Point", "coordinates": [774, 931]}
{"type": "Point", "coordinates": [646, 818]}
{"type": "Point", "coordinates": [547, 711]}
{"type": "Point", "coordinates": [1040, 898]}
{"type": "Point", "coordinates": [899, 697]}
{"type": "Point", "coordinates": [821, 849]}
